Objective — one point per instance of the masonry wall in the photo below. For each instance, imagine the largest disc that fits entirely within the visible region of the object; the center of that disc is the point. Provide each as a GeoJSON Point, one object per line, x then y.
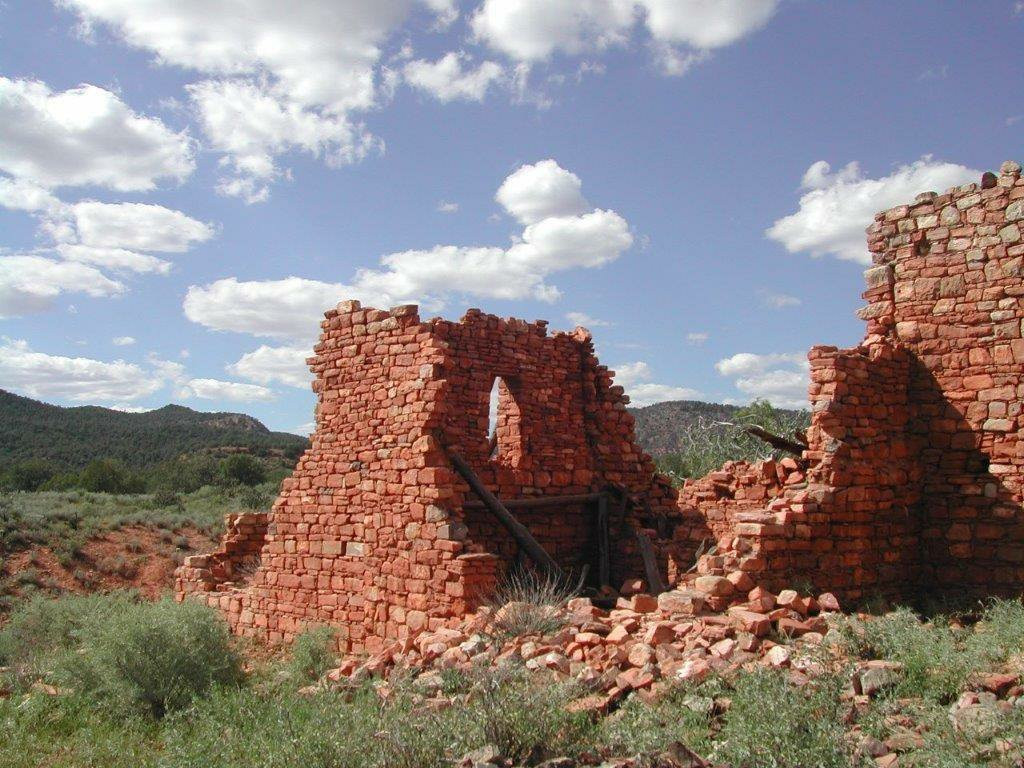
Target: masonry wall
{"type": "Point", "coordinates": [914, 480]}
{"type": "Point", "coordinates": [956, 265]}
{"type": "Point", "coordinates": [371, 534]}
{"type": "Point", "coordinates": [563, 429]}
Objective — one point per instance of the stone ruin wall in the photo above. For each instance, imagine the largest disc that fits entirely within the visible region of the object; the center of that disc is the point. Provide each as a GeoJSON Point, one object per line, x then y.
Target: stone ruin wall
{"type": "Point", "coordinates": [914, 470]}
{"type": "Point", "coordinates": [912, 482]}
{"type": "Point", "coordinates": [370, 532]}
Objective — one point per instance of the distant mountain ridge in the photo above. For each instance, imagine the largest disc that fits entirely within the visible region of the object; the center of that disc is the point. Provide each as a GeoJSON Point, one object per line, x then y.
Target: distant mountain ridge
{"type": "Point", "coordinates": [72, 437]}
{"type": "Point", "coordinates": [660, 427]}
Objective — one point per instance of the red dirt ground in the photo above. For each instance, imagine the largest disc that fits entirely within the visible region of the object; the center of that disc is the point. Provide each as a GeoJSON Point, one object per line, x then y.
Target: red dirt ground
{"type": "Point", "coordinates": [134, 557]}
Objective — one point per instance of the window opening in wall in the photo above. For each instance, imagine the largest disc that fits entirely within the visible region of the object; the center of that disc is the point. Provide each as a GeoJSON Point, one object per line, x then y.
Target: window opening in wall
{"type": "Point", "coordinates": [504, 435]}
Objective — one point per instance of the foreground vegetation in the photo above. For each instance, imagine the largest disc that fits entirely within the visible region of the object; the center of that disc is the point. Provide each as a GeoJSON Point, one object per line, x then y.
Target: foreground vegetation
{"type": "Point", "coordinates": [110, 681]}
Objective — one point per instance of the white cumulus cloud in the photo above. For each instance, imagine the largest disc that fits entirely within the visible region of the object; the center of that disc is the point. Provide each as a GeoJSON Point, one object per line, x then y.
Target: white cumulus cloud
{"type": "Point", "coordinates": [215, 389]}
{"type": "Point", "coordinates": [838, 206]}
{"type": "Point", "coordinates": [252, 126]}
{"type": "Point", "coordinates": [558, 236]}
{"type": "Point", "coordinates": [582, 318]}
{"type": "Point", "coordinates": [288, 308]}
{"type": "Point", "coordinates": [85, 135]}
{"type": "Point", "coordinates": [452, 77]}
{"type": "Point", "coordinates": [30, 283]}
{"type": "Point", "coordinates": [265, 365]}
{"type": "Point", "coordinates": [680, 33]}
{"type": "Point", "coordinates": [636, 377]}
{"type": "Point", "coordinates": [40, 375]}
{"type": "Point", "coordinates": [532, 30]}
{"type": "Point", "coordinates": [541, 190]}
{"type": "Point", "coordinates": [137, 226]}
{"type": "Point", "coordinates": [123, 341]}
{"type": "Point", "coordinates": [280, 76]}
{"type": "Point", "coordinates": [781, 378]}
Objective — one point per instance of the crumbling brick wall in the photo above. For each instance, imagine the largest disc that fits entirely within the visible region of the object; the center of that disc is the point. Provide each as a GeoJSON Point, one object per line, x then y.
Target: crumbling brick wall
{"type": "Point", "coordinates": [915, 478]}
{"type": "Point", "coordinates": [376, 534]}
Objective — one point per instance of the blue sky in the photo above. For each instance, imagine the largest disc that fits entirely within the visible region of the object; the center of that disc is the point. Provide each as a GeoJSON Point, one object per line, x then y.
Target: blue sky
{"type": "Point", "coordinates": [186, 185]}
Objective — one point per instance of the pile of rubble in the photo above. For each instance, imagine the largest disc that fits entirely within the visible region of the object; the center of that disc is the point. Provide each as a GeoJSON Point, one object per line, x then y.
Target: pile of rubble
{"type": "Point", "coordinates": [642, 643]}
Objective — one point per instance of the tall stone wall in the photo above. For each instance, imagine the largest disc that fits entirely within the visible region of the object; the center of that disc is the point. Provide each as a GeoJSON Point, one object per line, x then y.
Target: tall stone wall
{"type": "Point", "coordinates": [372, 532]}
{"type": "Point", "coordinates": [916, 463]}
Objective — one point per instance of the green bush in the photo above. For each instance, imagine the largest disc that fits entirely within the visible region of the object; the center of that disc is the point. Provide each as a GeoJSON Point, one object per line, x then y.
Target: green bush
{"type": "Point", "coordinates": [313, 653]}
{"type": "Point", "coordinates": [255, 499]}
{"type": "Point", "coordinates": [683, 715]}
{"type": "Point", "coordinates": [1000, 633]}
{"type": "Point", "coordinates": [243, 469]}
{"type": "Point", "coordinates": [153, 657]}
{"type": "Point", "coordinates": [27, 475]}
{"type": "Point", "coordinates": [774, 724]}
{"type": "Point", "coordinates": [44, 626]}
{"type": "Point", "coordinates": [526, 718]}
{"type": "Point", "coordinates": [107, 476]}
{"type": "Point", "coordinates": [62, 481]}
{"type": "Point", "coordinates": [165, 497]}
{"type": "Point", "coordinates": [331, 730]}
{"type": "Point", "coordinates": [184, 474]}
{"type": "Point", "coordinates": [938, 661]}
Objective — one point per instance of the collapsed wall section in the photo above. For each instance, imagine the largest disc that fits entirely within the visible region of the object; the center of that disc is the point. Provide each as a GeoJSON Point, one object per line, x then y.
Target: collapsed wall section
{"type": "Point", "coordinates": [915, 459]}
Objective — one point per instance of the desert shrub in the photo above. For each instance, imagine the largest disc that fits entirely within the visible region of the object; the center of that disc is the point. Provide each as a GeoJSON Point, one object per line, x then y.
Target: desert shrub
{"type": "Point", "coordinates": [165, 497]}
{"type": "Point", "coordinates": [527, 602]}
{"type": "Point", "coordinates": [938, 661]}
{"type": "Point", "coordinates": [1000, 633]}
{"type": "Point", "coordinates": [313, 652]}
{"type": "Point", "coordinates": [255, 499]}
{"type": "Point", "coordinates": [12, 526]}
{"type": "Point", "coordinates": [152, 657]}
{"type": "Point", "coordinates": [774, 724]}
{"type": "Point", "coordinates": [68, 731]}
{"type": "Point", "coordinates": [29, 576]}
{"type": "Point", "coordinates": [330, 730]}
{"type": "Point", "coordinates": [527, 718]}
{"type": "Point", "coordinates": [683, 715]}
{"type": "Point", "coordinates": [43, 626]}
{"type": "Point", "coordinates": [243, 469]}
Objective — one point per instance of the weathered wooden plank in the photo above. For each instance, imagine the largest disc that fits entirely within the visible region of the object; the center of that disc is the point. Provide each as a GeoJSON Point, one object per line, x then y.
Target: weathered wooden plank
{"type": "Point", "coordinates": [517, 530]}
{"type": "Point", "coordinates": [539, 501]}
{"type": "Point", "coordinates": [604, 556]}
{"type": "Point", "coordinates": [654, 581]}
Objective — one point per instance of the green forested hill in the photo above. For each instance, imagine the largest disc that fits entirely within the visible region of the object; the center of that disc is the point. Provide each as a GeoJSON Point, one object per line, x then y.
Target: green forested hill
{"type": "Point", "coordinates": [72, 437]}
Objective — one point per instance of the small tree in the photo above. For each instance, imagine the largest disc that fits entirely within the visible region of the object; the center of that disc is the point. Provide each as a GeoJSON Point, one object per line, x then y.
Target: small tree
{"type": "Point", "coordinates": [243, 469]}
{"type": "Point", "coordinates": [28, 475]}
{"type": "Point", "coordinates": [105, 476]}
